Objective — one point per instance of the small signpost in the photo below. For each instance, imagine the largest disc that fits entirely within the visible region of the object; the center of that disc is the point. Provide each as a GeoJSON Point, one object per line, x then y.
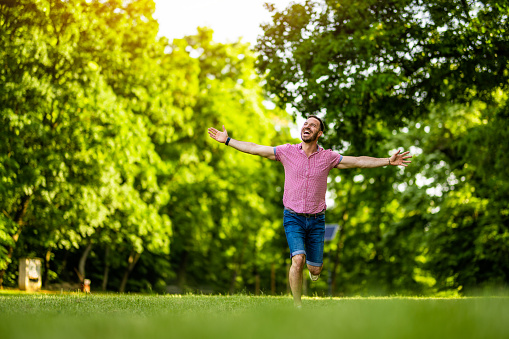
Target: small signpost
{"type": "Point", "coordinates": [330, 231]}
{"type": "Point", "coordinates": [30, 278]}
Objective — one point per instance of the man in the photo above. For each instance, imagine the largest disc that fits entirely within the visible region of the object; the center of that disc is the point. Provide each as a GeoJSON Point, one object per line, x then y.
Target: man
{"type": "Point", "coordinates": [306, 168]}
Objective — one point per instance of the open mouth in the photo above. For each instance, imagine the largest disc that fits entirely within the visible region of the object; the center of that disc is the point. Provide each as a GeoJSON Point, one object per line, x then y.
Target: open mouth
{"type": "Point", "coordinates": [306, 133]}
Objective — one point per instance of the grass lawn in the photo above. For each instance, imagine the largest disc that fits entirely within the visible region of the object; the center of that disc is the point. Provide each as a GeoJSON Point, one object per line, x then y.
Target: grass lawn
{"type": "Point", "coordinates": [77, 316]}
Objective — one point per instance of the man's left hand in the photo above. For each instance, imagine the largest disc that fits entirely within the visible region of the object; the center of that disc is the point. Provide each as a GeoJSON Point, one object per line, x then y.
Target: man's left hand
{"type": "Point", "coordinates": [398, 159]}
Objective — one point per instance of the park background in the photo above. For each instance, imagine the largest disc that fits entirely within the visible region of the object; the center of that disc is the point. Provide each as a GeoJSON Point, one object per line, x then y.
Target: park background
{"type": "Point", "coordinates": [107, 171]}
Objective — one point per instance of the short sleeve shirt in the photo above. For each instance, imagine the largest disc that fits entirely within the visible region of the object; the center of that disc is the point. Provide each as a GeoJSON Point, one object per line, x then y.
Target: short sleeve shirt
{"type": "Point", "coordinates": [306, 177]}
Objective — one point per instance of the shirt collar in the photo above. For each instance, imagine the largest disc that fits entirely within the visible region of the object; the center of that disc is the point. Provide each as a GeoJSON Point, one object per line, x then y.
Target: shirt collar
{"type": "Point", "coordinates": [318, 148]}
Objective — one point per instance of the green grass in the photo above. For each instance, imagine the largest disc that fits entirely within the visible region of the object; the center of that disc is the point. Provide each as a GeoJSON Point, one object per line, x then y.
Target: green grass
{"type": "Point", "coordinates": [94, 316]}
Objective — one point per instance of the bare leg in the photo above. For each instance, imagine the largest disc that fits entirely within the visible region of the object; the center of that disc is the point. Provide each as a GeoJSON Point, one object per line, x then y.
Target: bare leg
{"type": "Point", "coordinates": [295, 277]}
{"type": "Point", "coordinates": [315, 269]}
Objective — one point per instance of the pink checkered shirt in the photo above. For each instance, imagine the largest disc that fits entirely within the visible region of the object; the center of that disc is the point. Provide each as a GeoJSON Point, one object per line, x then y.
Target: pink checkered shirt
{"type": "Point", "coordinates": [306, 178]}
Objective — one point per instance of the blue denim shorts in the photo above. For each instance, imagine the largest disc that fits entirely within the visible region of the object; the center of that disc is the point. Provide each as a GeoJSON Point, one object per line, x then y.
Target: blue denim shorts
{"type": "Point", "coordinates": [305, 235]}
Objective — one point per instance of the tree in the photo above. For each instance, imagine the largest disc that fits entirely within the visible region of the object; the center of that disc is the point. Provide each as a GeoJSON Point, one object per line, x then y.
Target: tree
{"type": "Point", "coordinates": [369, 66]}
{"type": "Point", "coordinates": [102, 158]}
{"type": "Point", "coordinates": [223, 203]}
{"type": "Point", "coordinates": [80, 164]}
{"type": "Point", "coordinates": [390, 76]}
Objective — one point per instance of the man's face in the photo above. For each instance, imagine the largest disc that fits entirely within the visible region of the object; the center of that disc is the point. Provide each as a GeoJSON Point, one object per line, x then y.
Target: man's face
{"type": "Point", "coordinates": [311, 130]}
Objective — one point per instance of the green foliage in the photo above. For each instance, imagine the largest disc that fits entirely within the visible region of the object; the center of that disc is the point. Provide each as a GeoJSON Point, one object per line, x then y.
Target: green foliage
{"type": "Point", "coordinates": [369, 65]}
{"type": "Point", "coordinates": [80, 165]}
{"type": "Point", "coordinates": [424, 76]}
{"type": "Point", "coordinates": [105, 155]}
{"type": "Point", "coordinates": [224, 201]}
{"type": "Point", "coordinates": [106, 167]}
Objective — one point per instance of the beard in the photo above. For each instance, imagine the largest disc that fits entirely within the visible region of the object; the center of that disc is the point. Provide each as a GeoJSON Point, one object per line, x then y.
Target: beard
{"type": "Point", "coordinates": [310, 137]}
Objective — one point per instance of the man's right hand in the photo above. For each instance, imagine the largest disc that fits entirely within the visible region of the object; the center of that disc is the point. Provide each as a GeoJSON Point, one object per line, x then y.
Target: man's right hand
{"type": "Point", "coordinates": [246, 147]}
{"type": "Point", "coordinates": [218, 135]}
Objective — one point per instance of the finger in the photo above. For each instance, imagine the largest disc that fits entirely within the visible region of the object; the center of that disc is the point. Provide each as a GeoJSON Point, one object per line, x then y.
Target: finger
{"type": "Point", "coordinates": [224, 129]}
{"type": "Point", "coordinates": [405, 153]}
{"type": "Point", "coordinates": [397, 152]}
{"type": "Point", "coordinates": [212, 129]}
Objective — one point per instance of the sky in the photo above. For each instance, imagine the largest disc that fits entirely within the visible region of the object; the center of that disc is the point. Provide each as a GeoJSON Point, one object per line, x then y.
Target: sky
{"type": "Point", "coordinates": [230, 19]}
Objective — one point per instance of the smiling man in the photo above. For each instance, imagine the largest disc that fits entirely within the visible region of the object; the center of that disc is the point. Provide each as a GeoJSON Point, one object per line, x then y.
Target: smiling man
{"type": "Point", "coordinates": [307, 166]}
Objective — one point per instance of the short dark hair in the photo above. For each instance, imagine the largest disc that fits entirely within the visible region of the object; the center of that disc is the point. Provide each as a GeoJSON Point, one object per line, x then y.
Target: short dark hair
{"type": "Point", "coordinates": [322, 127]}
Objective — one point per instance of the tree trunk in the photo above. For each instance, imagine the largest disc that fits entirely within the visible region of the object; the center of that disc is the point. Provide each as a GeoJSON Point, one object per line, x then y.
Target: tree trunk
{"type": "Point", "coordinates": [62, 271]}
{"type": "Point", "coordinates": [181, 273]}
{"type": "Point", "coordinates": [337, 260]}
{"type": "Point", "coordinates": [133, 259]}
{"type": "Point", "coordinates": [83, 259]}
{"type": "Point", "coordinates": [106, 268]}
{"type": "Point", "coordinates": [18, 219]}
{"type": "Point", "coordinates": [238, 267]}
{"type": "Point", "coordinates": [256, 272]}
{"type": "Point", "coordinates": [257, 284]}
{"type": "Point", "coordinates": [341, 241]}
{"type": "Point", "coordinates": [47, 259]}
{"type": "Point", "coordinates": [256, 275]}
{"type": "Point", "coordinates": [233, 279]}
{"type": "Point", "coordinates": [273, 279]}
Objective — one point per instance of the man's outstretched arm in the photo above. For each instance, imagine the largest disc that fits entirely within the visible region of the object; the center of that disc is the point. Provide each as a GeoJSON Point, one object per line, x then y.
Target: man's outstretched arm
{"type": "Point", "coordinates": [246, 147]}
{"type": "Point", "coordinates": [396, 159]}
